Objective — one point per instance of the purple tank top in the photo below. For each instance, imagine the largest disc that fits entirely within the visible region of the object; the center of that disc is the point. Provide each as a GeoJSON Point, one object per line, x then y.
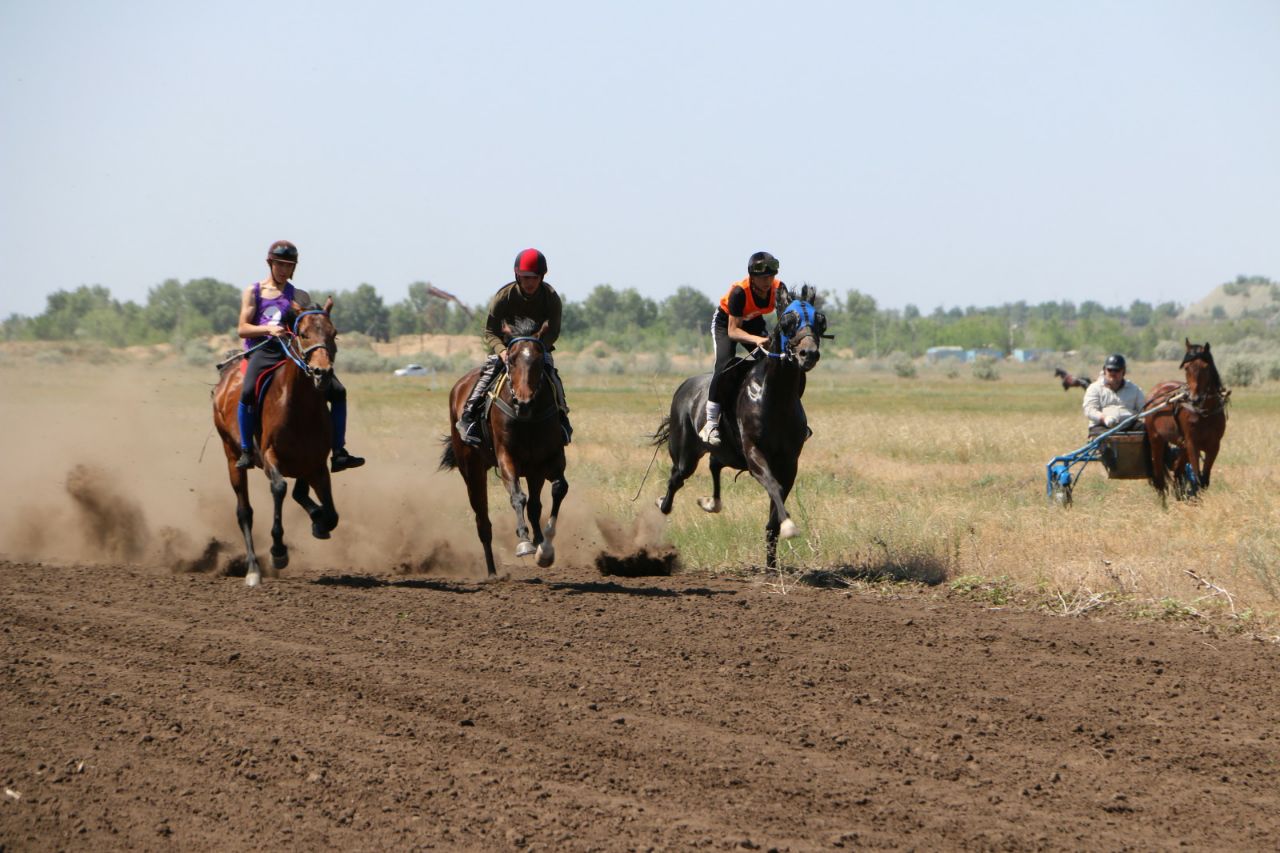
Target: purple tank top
{"type": "Point", "coordinates": [270, 311]}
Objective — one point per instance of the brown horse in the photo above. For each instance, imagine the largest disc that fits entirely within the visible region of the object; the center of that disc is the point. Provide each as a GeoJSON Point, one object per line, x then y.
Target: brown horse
{"type": "Point", "coordinates": [294, 432]}
{"type": "Point", "coordinates": [1189, 427]}
{"type": "Point", "coordinates": [524, 440]}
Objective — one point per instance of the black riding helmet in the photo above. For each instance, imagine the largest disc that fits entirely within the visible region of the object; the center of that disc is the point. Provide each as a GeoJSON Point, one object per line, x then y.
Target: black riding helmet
{"type": "Point", "coordinates": [762, 263]}
{"type": "Point", "coordinates": [284, 251]}
{"type": "Point", "coordinates": [1114, 362]}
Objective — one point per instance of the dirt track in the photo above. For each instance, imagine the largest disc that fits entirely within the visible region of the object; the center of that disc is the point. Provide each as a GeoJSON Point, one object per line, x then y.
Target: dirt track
{"type": "Point", "coordinates": [559, 710]}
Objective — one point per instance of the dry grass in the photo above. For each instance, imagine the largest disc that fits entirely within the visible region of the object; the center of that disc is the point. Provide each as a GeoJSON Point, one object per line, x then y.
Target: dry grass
{"type": "Point", "coordinates": [934, 480]}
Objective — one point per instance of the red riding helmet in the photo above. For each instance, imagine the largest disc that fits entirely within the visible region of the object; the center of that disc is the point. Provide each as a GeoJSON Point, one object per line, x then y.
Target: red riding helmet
{"type": "Point", "coordinates": [531, 261]}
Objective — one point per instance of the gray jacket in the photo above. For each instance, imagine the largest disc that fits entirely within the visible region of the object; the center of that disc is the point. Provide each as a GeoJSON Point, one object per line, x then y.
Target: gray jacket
{"type": "Point", "coordinates": [1107, 407]}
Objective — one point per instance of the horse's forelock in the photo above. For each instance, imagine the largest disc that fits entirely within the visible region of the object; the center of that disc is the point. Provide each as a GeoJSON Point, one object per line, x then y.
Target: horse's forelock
{"type": "Point", "coordinates": [522, 327]}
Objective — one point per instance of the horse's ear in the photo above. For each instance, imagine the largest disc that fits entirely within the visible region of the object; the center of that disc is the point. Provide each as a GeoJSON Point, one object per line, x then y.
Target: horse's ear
{"type": "Point", "coordinates": [807, 293]}
{"type": "Point", "coordinates": [328, 306]}
{"type": "Point", "coordinates": [784, 295]}
{"type": "Point", "coordinates": [542, 330]}
{"type": "Point", "coordinates": [1188, 340]}
{"type": "Point", "coordinates": [1206, 347]}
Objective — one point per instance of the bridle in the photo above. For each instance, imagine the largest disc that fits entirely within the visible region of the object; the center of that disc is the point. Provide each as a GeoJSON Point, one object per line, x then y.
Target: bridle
{"type": "Point", "coordinates": [293, 347]}
{"type": "Point", "coordinates": [786, 343]}
{"type": "Point", "coordinates": [510, 411]}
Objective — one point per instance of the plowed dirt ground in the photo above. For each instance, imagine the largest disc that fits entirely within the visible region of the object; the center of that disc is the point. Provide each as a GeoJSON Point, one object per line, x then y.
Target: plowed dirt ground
{"type": "Point", "coordinates": [560, 710]}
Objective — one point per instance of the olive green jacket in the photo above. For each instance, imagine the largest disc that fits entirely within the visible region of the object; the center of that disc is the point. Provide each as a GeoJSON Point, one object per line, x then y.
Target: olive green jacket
{"type": "Point", "coordinates": [510, 302]}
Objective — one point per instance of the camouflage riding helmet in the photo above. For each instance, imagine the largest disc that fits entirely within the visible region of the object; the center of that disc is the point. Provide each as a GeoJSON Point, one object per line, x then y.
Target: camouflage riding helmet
{"type": "Point", "coordinates": [762, 263]}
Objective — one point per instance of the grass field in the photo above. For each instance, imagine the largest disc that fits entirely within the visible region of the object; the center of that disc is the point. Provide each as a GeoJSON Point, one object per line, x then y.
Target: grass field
{"type": "Point", "coordinates": [936, 479]}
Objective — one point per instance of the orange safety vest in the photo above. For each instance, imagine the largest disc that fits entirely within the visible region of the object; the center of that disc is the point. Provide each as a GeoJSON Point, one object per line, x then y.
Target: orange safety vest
{"type": "Point", "coordinates": [752, 310]}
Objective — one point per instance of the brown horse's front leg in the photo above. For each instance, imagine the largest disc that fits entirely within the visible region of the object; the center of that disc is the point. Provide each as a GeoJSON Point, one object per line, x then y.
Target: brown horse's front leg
{"type": "Point", "coordinates": [507, 470]}
{"type": "Point", "coordinates": [244, 517]}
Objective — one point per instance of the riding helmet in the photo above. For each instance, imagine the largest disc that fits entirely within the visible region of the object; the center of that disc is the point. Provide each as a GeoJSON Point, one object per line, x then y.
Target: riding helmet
{"type": "Point", "coordinates": [762, 263]}
{"type": "Point", "coordinates": [283, 250]}
{"type": "Point", "coordinates": [531, 261]}
{"type": "Point", "coordinates": [1114, 362]}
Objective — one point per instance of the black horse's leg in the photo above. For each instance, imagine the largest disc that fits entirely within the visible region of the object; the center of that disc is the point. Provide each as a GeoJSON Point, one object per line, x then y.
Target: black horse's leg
{"type": "Point", "coordinates": [279, 551]}
{"type": "Point", "coordinates": [533, 507]}
{"type": "Point", "coordinates": [686, 450]}
{"type": "Point", "coordinates": [771, 538]}
{"type": "Point", "coordinates": [712, 504]}
{"type": "Point", "coordinates": [759, 467]}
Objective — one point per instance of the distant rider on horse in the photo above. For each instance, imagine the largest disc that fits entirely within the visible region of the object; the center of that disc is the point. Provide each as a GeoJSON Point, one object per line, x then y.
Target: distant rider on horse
{"type": "Point", "coordinates": [1111, 398]}
{"type": "Point", "coordinates": [528, 296]}
{"type": "Point", "coordinates": [739, 320]}
{"type": "Point", "coordinates": [262, 312]}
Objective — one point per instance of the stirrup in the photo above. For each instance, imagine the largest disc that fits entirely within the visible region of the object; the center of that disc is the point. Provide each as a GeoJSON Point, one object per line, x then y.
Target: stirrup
{"type": "Point", "coordinates": [710, 433]}
{"type": "Point", "coordinates": [246, 459]}
{"type": "Point", "coordinates": [342, 460]}
{"type": "Point", "coordinates": [469, 431]}
{"type": "Point", "coordinates": [566, 430]}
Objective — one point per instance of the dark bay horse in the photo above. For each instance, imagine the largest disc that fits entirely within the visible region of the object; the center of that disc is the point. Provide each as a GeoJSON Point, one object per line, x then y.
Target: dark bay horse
{"type": "Point", "coordinates": [1191, 422]}
{"type": "Point", "coordinates": [294, 435]}
{"type": "Point", "coordinates": [763, 427]}
{"type": "Point", "coordinates": [523, 440]}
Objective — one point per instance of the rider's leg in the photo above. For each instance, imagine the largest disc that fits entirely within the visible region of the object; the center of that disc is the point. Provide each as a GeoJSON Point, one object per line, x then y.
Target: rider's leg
{"type": "Point", "coordinates": [247, 414]}
{"type": "Point", "coordinates": [337, 396]}
{"type": "Point", "coordinates": [561, 403]}
{"type": "Point", "coordinates": [710, 432]}
{"type": "Point", "coordinates": [468, 425]}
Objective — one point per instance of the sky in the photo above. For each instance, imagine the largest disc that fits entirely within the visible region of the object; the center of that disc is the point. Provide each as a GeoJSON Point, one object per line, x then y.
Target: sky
{"type": "Point", "coordinates": [927, 153]}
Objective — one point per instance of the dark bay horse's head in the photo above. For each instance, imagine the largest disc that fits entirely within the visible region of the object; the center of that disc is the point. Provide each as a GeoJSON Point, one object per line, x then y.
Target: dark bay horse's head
{"type": "Point", "coordinates": [314, 343]}
{"type": "Point", "coordinates": [801, 327]}
{"type": "Point", "coordinates": [526, 355]}
{"type": "Point", "coordinates": [1202, 373]}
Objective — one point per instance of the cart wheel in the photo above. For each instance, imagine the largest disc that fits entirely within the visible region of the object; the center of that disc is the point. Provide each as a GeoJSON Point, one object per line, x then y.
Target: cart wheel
{"type": "Point", "coordinates": [1185, 486]}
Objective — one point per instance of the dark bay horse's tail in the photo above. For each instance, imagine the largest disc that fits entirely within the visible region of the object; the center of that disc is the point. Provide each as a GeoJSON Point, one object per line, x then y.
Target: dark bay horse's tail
{"type": "Point", "coordinates": [448, 461]}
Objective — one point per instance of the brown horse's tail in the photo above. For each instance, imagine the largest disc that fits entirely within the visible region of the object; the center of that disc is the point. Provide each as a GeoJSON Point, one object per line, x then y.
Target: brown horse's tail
{"type": "Point", "coordinates": [448, 461]}
{"type": "Point", "coordinates": [663, 434]}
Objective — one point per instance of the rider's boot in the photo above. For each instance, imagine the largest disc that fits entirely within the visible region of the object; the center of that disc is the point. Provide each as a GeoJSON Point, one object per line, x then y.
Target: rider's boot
{"type": "Point", "coordinates": [468, 426]}
{"type": "Point", "coordinates": [565, 427]}
{"type": "Point", "coordinates": [710, 432]}
{"type": "Point", "coordinates": [248, 426]}
{"type": "Point", "coordinates": [341, 459]}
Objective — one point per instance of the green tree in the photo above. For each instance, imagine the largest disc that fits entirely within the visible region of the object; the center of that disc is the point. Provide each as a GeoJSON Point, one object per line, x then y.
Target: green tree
{"type": "Point", "coordinates": [687, 308]}
{"type": "Point", "coordinates": [361, 310]}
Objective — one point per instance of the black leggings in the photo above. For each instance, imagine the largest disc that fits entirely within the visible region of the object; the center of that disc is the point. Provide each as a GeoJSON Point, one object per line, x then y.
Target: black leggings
{"type": "Point", "coordinates": [725, 347]}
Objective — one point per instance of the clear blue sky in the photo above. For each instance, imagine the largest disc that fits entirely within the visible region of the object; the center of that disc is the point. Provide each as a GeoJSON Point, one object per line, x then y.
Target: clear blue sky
{"type": "Point", "coordinates": [934, 153]}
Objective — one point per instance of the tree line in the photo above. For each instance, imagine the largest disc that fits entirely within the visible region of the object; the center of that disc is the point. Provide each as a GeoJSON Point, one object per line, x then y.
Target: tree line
{"type": "Point", "coordinates": [178, 312]}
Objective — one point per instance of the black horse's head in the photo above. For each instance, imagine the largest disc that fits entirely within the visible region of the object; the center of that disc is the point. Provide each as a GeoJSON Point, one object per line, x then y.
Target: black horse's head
{"type": "Point", "coordinates": [801, 326]}
{"type": "Point", "coordinates": [314, 341]}
{"type": "Point", "coordinates": [526, 355]}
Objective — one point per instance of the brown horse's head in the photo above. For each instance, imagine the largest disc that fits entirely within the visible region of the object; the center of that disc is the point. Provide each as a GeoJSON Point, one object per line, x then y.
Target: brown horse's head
{"type": "Point", "coordinates": [1202, 373]}
{"type": "Point", "coordinates": [525, 360]}
{"type": "Point", "coordinates": [801, 326]}
{"type": "Point", "coordinates": [314, 341]}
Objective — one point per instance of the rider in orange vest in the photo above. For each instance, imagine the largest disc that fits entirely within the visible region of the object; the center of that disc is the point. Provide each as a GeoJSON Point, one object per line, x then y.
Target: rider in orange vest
{"type": "Point", "coordinates": [739, 320]}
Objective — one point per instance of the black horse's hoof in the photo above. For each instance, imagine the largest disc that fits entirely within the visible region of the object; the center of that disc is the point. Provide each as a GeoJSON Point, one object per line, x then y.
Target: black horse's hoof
{"type": "Point", "coordinates": [281, 560]}
{"type": "Point", "coordinates": [319, 531]}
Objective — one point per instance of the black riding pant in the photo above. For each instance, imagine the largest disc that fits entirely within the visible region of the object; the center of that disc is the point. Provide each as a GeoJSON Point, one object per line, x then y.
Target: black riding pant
{"type": "Point", "coordinates": [725, 347]}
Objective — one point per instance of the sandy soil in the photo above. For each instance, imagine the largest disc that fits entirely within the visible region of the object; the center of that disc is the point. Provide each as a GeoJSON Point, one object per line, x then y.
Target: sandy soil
{"type": "Point", "coordinates": [560, 710]}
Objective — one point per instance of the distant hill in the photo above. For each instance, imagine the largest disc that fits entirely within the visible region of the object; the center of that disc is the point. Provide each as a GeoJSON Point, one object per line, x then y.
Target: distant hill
{"type": "Point", "coordinates": [1246, 295]}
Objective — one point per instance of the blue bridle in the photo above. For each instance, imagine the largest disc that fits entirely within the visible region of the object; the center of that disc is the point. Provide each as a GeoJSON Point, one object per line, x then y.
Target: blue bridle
{"type": "Point", "coordinates": [300, 359]}
{"type": "Point", "coordinates": [805, 312]}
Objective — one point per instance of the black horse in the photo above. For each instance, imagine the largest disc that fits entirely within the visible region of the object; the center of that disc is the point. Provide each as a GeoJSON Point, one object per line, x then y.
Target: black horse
{"type": "Point", "coordinates": [763, 426]}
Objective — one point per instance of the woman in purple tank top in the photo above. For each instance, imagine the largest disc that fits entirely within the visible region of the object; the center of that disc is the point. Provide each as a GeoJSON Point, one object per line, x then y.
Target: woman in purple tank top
{"type": "Point", "coordinates": [263, 307]}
